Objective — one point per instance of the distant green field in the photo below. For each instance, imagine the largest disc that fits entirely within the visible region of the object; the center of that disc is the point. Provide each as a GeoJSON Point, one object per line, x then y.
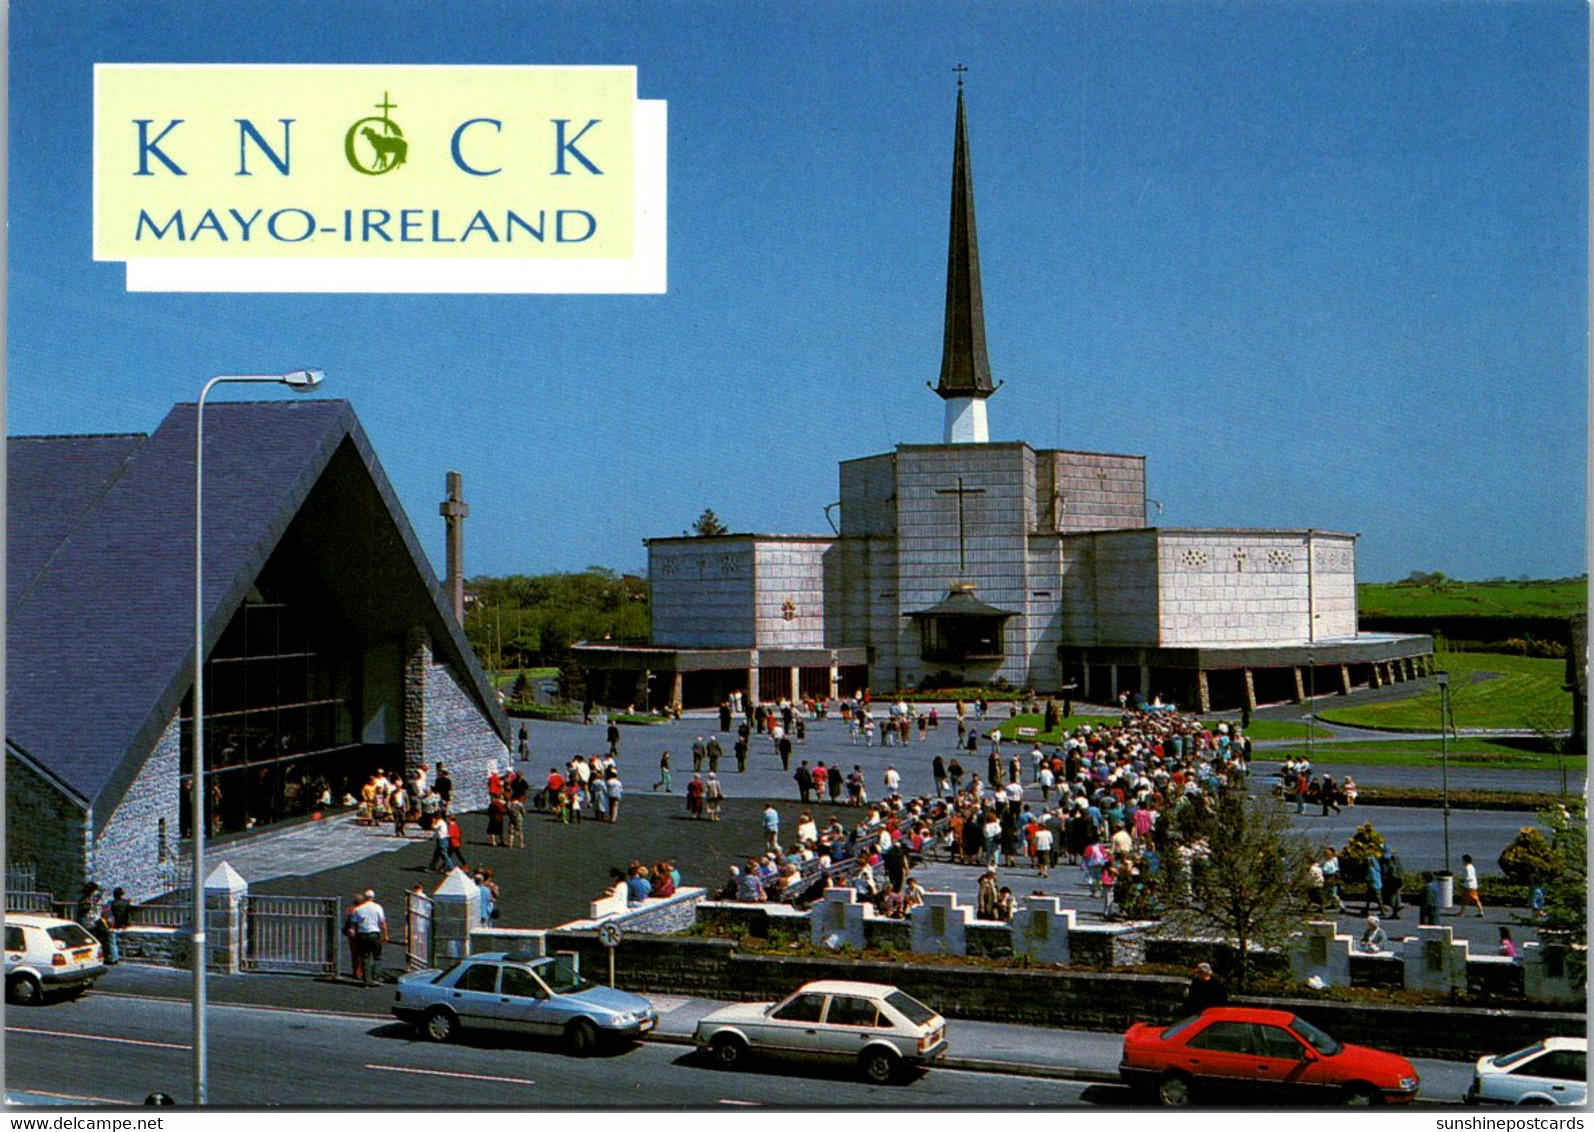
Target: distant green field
{"type": "Point", "coordinates": [1451, 599]}
{"type": "Point", "coordinates": [1515, 692]}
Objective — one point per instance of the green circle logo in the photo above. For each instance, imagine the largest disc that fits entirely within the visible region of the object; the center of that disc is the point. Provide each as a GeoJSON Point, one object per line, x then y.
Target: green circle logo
{"type": "Point", "coordinates": [375, 146]}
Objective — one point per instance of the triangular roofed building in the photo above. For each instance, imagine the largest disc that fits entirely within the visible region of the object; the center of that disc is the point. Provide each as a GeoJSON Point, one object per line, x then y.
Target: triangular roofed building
{"type": "Point", "coordinates": [331, 652]}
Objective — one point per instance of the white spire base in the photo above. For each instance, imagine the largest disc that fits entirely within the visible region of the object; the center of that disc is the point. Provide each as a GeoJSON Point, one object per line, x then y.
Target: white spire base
{"type": "Point", "coordinates": [965, 421]}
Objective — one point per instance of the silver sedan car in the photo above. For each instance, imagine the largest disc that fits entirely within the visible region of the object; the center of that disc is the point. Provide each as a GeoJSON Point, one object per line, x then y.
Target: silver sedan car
{"type": "Point", "coordinates": [523, 994]}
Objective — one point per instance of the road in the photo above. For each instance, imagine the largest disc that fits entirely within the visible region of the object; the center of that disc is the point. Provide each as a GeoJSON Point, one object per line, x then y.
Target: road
{"type": "Point", "coordinates": [109, 1048]}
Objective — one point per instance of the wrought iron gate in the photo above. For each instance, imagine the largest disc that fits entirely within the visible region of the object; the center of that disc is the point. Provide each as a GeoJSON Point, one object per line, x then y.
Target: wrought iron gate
{"type": "Point", "coordinates": [418, 931]}
{"type": "Point", "coordinates": [292, 934]}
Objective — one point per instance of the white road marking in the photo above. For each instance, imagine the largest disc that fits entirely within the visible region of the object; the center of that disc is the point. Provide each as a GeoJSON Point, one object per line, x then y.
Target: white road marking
{"type": "Point", "coordinates": [444, 1073]}
{"type": "Point", "coordinates": [12, 1097]}
{"type": "Point", "coordinates": [744, 1104]}
{"type": "Point", "coordinates": [213, 1005]}
{"type": "Point", "coordinates": [96, 1038]}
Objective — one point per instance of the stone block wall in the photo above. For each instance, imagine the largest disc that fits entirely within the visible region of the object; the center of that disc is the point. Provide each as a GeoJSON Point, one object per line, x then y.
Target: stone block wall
{"type": "Point", "coordinates": [1252, 587]}
{"type": "Point", "coordinates": [1110, 583]}
{"type": "Point", "coordinates": [129, 851]}
{"type": "Point", "coordinates": [868, 496]}
{"type": "Point", "coordinates": [702, 591]}
{"type": "Point", "coordinates": [461, 737]}
{"type": "Point", "coordinates": [786, 570]}
{"type": "Point", "coordinates": [1089, 491]}
{"type": "Point", "coordinates": [47, 829]}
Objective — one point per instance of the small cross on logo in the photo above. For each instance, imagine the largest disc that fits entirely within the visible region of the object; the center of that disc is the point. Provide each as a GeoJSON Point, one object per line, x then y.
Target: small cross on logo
{"type": "Point", "coordinates": [788, 609]}
{"type": "Point", "coordinates": [1239, 559]}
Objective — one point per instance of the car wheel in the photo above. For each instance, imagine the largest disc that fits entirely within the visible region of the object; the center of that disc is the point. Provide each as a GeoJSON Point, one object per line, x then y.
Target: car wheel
{"type": "Point", "coordinates": [440, 1026]}
{"type": "Point", "coordinates": [1175, 1091]}
{"type": "Point", "coordinates": [24, 990]}
{"type": "Point", "coordinates": [581, 1037]}
{"type": "Point", "coordinates": [880, 1066]}
{"type": "Point", "coordinates": [1362, 1095]}
{"type": "Point", "coordinates": [728, 1050]}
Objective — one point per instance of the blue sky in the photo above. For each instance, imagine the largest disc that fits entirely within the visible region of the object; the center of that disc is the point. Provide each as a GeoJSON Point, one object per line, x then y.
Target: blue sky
{"type": "Point", "coordinates": [1322, 263]}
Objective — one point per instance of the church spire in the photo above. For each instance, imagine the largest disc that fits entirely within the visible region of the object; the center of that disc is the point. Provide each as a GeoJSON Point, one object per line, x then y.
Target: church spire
{"type": "Point", "coordinates": [965, 368]}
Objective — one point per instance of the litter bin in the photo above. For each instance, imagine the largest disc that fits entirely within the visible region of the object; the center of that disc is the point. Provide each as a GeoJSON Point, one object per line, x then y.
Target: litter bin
{"type": "Point", "coordinates": [1447, 890]}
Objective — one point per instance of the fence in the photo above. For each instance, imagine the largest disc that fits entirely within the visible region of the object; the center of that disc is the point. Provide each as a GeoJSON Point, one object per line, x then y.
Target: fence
{"type": "Point", "coordinates": [291, 934]}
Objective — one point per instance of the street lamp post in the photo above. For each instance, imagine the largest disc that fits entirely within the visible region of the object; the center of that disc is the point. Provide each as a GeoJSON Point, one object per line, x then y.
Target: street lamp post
{"type": "Point", "coordinates": [301, 381]}
{"type": "Point", "coordinates": [1443, 679]}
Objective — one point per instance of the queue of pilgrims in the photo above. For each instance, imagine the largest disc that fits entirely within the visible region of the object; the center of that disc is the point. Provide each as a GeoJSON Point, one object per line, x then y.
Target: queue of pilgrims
{"type": "Point", "coordinates": [1104, 796]}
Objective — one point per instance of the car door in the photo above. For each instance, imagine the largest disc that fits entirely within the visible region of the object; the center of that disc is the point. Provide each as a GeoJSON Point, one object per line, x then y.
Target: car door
{"type": "Point", "coordinates": [1284, 1072]}
{"type": "Point", "coordinates": [1221, 1057]}
{"type": "Point", "coordinates": [793, 1026]}
{"type": "Point", "coordinates": [474, 996]}
{"type": "Point", "coordinates": [1559, 1075]}
{"type": "Point", "coordinates": [524, 1003]}
{"type": "Point", "coordinates": [850, 1022]}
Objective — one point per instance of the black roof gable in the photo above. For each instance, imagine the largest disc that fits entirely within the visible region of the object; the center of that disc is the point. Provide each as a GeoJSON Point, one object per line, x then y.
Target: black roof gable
{"type": "Point", "coordinates": [100, 640]}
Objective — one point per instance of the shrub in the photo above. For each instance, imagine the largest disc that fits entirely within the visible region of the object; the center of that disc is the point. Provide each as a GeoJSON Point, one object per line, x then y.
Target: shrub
{"type": "Point", "coordinates": [1365, 844]}
{"type": "Point", "coordinates": [1530, 858]}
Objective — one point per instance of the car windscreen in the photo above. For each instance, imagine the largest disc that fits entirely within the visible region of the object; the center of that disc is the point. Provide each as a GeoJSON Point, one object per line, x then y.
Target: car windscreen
{"type": "Point", "coordinates": [1506, 1060]}
{"type": "Point", "coordinates": [910, 1008]}
{"type": "Point", "coordinates": [561, 976]}
{"type": "Point", "coordinates": [69, 935]}
{"type": "Point", "coordinates": [1315, 1038]}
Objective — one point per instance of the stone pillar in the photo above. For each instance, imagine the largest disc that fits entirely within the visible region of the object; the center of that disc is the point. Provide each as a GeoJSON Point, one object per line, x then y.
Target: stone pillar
{"type": "Point", "coordinates": [752, 679]}
{"type": "Point", "coordinates": [1545, 973]}
{"type": "Point", "coordinates": [1145, 675]}
{"type": "Point", "coordinates": [225, 894]}
{"type": "Point", "coordinates": [796, 684]}
{"type": "Point", "coordinates": [938, 926]}
{"type": "Point", "coordinates": [456, 910]}
{"type": "Point", "coordinates": [1203, 693]}
{"type": "Point", "coordinates": [1112, 682]}
{"type": "Point", "coordinates": [1084, 679]}
{"type": "Point", "coordinates": [1321, 952]}
{"type": "Point", "coordinates": [837, 921]}
{"type": "Point", "coordinates": [1041, 929]}
{"type": "Point", "coordinates": [1377, 679]}
{"type": "Point", "coordinates": [639, 695]}
{"type": "Point", "coordinates": [417, 658]}
{"type": "Point", "coordinates": [454, 510]}
{"type": "Point", "coordinates": [835, 682]}
{"type": "Point", "coordinates": [1435, 961]}
{"type": "Point", "coordinates": [1344, 679]}
{"type": "Point", "coordinates": [1250, 690]}
{"type": "Point", "coordinates": [675, 691]}
{"type": "Point", "coordinates": [1300, 685]}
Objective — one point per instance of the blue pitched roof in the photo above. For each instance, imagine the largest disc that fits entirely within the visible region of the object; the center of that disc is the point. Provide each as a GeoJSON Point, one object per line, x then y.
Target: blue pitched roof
{"type": "Point", "coordinates": [100, 636]}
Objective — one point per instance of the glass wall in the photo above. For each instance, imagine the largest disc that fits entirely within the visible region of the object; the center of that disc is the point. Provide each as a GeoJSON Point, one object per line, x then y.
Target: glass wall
{"type": "Point", "coordinates": [280, 704]}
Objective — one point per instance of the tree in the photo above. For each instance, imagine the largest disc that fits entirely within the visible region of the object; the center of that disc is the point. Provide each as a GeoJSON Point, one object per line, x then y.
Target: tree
{"type": "Point", "coordinates": [1238, 876]}
{"type": "Point", "coordinates": [708, 525]}
{"type": "Point", "coordinates": [1566, 896]}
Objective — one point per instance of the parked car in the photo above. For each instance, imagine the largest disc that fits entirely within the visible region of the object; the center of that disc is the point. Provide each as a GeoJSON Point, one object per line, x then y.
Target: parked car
{"type": "Point", "coordinates": [46, 956]}
{"type": "Point", "coordinates": [1554, 1071]}
{"type": "Point", "coordinates": [524, 994]}
{"type": "Point", "coordinates": [879, 1028]}
{"type": "Point", "coordinates": [1270, 1055]}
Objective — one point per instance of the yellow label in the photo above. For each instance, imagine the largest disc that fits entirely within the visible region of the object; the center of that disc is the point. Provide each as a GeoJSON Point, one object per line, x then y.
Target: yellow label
{"type": "Point", "coordinates": [384, 162]}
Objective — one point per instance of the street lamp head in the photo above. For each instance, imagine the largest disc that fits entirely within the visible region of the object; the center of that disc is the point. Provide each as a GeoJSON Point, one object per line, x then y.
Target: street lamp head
{"type": "Point", "coordinates": [1442, 679]}
{"type": "Point", "coordinates": [303, 380]}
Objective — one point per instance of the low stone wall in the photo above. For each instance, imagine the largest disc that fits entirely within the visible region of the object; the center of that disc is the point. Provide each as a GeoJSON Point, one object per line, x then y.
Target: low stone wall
{"type": "Point", "coordinates": [1101, 1001]}
{"type": "Point", "coordinates": [654, 916]}
{"type": "Point", "coordinates": [160, 947]}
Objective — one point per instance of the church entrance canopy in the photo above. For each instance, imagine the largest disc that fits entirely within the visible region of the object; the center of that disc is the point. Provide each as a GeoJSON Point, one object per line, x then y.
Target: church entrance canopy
{"type": "Point", "coordinates": [961, 627]}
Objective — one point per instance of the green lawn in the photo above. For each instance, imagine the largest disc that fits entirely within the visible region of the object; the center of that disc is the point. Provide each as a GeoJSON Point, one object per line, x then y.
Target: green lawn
{"type": "Point", "coordinates": [1519, 692]}
{"type": "Point", "coordinates": [1466, 752]}
{"type": "Point", "coordinates": [1536, 599]}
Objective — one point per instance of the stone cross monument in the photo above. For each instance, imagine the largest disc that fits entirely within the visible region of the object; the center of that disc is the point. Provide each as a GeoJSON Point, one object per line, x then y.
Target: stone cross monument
{"type": "Point", "coordinates": [454, 510]}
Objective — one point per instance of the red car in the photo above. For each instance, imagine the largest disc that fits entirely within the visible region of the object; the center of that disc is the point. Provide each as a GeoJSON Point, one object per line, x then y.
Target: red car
{"type": "Point", "coordinates": [1271, 1055]}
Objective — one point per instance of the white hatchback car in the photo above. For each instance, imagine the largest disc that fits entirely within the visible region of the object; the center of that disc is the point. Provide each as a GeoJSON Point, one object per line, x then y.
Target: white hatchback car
{"type": "Point", "coordinates": [45, 955]}
{"type": "Point", "coordinates": [1553, 1071]}
{"type": "Point", "coordinates": [878, 1028]}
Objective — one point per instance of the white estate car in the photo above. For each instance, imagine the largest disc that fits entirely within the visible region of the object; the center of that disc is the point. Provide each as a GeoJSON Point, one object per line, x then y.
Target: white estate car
{"type": "Point", "coordinates": [45, 955]}
{"type": "Point", "coordinates": [1553, 1071]}
{"type": "Point", "coordinates": [878, 1028]}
